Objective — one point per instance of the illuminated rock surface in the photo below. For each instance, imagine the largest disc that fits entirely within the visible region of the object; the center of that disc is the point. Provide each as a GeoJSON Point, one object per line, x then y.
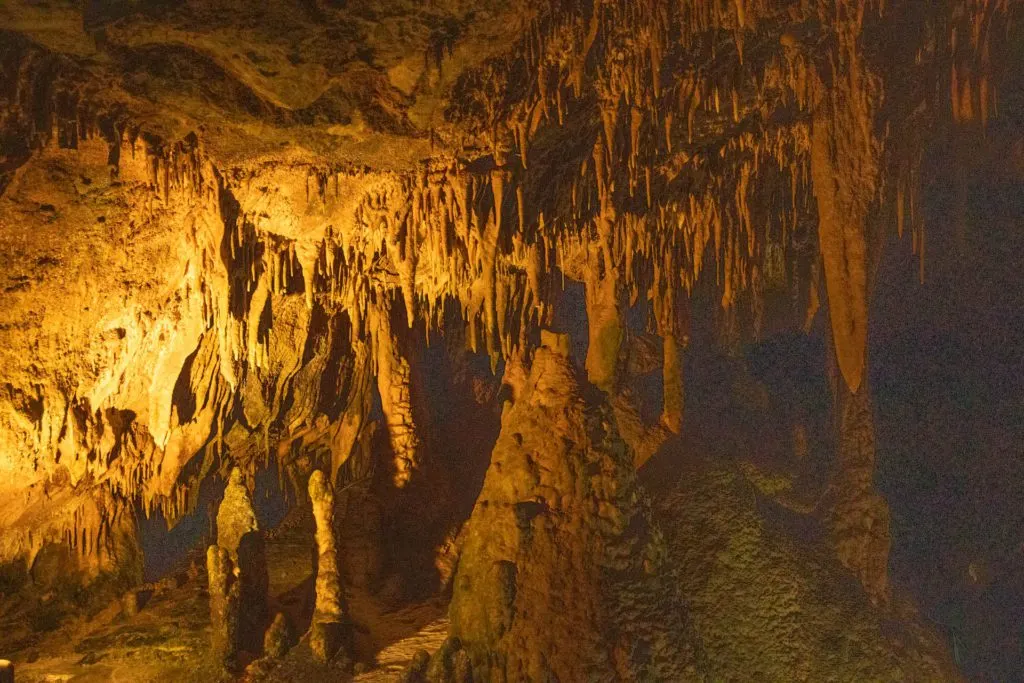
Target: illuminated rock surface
{"type": "Point", "coordinates": [273, 280]}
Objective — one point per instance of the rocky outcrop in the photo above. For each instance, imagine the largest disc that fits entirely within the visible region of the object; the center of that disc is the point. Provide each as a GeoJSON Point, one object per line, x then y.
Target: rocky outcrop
{"type": "Point", "coordinates": [773, 605]}
{"type": "Point", "coordinates": [557, 527]}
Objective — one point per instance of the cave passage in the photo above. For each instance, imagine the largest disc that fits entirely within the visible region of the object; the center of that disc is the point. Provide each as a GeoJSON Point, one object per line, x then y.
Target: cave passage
{"type": "Point", "coordinates": [569, 340]}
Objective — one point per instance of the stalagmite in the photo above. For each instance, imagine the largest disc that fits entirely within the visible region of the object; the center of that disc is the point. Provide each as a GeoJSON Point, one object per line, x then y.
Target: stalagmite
{"type": "Point", "coordinates": [239, 534]}
{"type": "Point", "coordinates": [330, 630]}
{"type": "Point", "coordinates": [224, 606]}
{"type": "Point", "coordinates": [858, 516]}
{"type": "Point", "coordinates": [556, 509]}
{"type": "Point", "coordinates": [278, 638]}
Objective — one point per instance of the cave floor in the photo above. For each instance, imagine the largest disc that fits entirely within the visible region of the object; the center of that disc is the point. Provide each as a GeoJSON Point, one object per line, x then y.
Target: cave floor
{"type": "Point", "coordinates": [168, 639]}
{"type": "Point", "coordinates": [763, 598]}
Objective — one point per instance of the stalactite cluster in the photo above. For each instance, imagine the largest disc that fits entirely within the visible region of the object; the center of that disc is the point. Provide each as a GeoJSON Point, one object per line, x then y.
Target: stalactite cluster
{"type": "Point", "coordinates": [636, 147]}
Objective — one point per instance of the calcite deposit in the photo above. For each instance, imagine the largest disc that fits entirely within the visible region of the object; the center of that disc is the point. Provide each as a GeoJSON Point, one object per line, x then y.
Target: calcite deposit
{"type": "Point", "coordinates": [330, 625]}
{"type": "Point", "coordinates": [422, 289]}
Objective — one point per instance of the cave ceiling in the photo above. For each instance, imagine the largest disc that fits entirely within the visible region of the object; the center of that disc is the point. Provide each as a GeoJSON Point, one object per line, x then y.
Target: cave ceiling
{"type": "Point", "coordinates": [217, 218]}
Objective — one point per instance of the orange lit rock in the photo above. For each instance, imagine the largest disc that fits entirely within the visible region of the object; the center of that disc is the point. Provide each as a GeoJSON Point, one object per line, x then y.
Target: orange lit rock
{"type": "Point", "coordinates": [225, 227]}
{"type": "Point", "coordinates": [224, 606]}
{"type": "Point", "coordinates": [329, 628]}
{"type": "Point", "coordinates": [557, 520]}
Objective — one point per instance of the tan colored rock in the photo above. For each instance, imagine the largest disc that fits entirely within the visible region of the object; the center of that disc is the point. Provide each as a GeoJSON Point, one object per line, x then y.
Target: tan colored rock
{"type": "Point", "coordinates": [857, 515]}
{"type": "Point", "coordinates": [278, 638]}
{"type": "Point", "coordinates": [224, 606]}
{"type": "Point", "coordinates": [235, 515]}
{"type": "Point", "coordinates": [394, 382]}
{"type": "Point", "coordinates": [329, 600]}
{"type": "Point", "coordinates": [131, 603]}
{"type": "Point", "coordinates": [239, 534]}
{"type": "Point", "coordinates": [845, 167]}
{"type": "Point", "coordinates": [674, 392]}
{"type": "Point", "coordinates": [558, 516]}
{"type": "Point", "coordinates": [330, 630]}
{"type": "Point", "coordinates": [449, 664]}
{"type": "Point", "coordinates": [604, 320]}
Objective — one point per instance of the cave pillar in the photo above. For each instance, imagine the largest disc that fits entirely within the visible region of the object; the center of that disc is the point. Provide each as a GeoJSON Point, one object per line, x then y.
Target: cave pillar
{"type": "Point", "coordinates": [604, 309]}
{"type": "Point", "coordinates": [394, 381]}
{"type": "Point", "coordinates": [353, 420]}
{"type": "Point", "coordinates": [672, 316]}
{"type": "Point", "coordinates": [859, 515]}
{"type": "Point", "coordinates": [330, 630]}
{"type": "Point", "coordinates": [239, 535]}
{"type": "Point", "coordinates": [846, 167]}
{"type": "Point", "coordinates": [554, 521]}
{"type": "Point", "coordinates": [224, 596]}
{"type": "Point", "coordinates": [6, 671]}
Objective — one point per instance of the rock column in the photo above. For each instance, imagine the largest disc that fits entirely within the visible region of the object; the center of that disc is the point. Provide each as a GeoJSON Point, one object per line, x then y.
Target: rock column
{"type": "Point", "coordinates": [224, 595]}
{"type": "Point", "coordinates": [859, 515]}
{"type": "Point", "coordinates": [237, 566]}
{"type": "Point", "coordinates": [557, 522]}
{"type": "Point", "coordinates": [394, 381]}
{"type": "Point", "coordinates": [604, 321]}
{"type": "Point", "coordinates": [330, 630]}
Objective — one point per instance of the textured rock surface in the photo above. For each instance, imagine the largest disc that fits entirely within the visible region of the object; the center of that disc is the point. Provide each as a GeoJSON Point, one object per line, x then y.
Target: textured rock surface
{"type": "Point", "coordinates": [239, 534]}
{"type": "Point", "coordinates": [278, 638]}
{"type": "Point", "coordinates": [230, 232]}
{"type": "Point", "coordinates": [224, 606]}
{"type": "Point", "coordinates": [235, 515]}
{"type": "Point", "coordinates": [331, 628]}
{"type": "Point", "coordinates": [768, 604]}
{"type": "Point", "coordinates": [555, 542]}
{"type": "Point", "coordinates": [859, 516]}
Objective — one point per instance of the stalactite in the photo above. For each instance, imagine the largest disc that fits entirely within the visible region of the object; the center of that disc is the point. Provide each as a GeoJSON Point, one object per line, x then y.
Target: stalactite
{"type": "Point", "coordinates": [845, 169]}
{"type": "Point", "coordinates": [394, 384]}
{"type": "Point", "coordinates": [427, 236]}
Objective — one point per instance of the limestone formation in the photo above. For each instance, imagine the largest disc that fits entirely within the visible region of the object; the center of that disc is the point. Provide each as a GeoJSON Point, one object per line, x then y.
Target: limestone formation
{"type": "Point", "coordinates": [416, 672]}
{"type": "Point", "coordinates": [672, 376]}
{"type": "Point", "coordinates": [557, 521]}
{"type": "Point", "coordinates": [224, 606]}
{"type": "Point", "coordinates": [394, 382]}
{"type": "Point", "coordinates": [330, 630]}
{"type": "Point", "coordinates": [449, 664]}
{"type": "Point", "coordinates": [278, 638]}
{"type": "Point", "coordinates": [239, 534]}
{"type": "Point", "coordinates": [235, 515]}
{"type": "Point", "coordinates": [230, 232]}
{"type": "Point", "coordinates": [858, 516]}
{"type": "Point", "coordinates": [131, 603]}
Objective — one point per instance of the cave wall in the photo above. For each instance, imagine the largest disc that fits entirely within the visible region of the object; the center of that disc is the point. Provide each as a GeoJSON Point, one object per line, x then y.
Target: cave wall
{"type": "Point", "coordinates": [209, 259]}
